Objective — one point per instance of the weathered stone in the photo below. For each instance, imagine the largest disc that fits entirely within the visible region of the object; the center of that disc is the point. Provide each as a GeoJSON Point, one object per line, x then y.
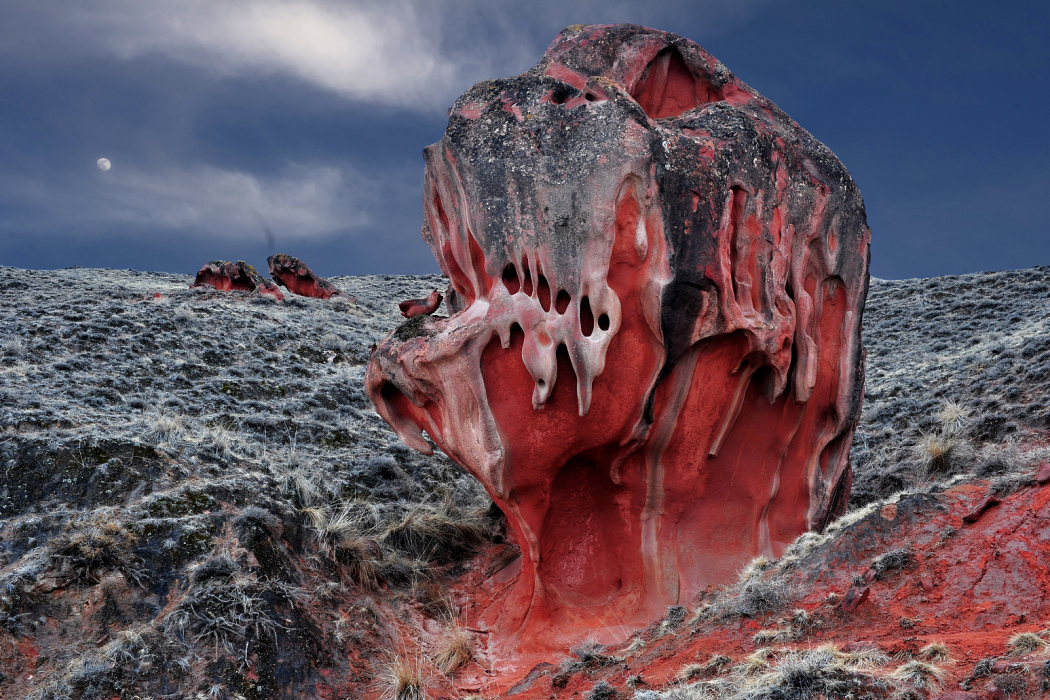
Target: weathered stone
{"type": "Point", "coordinates": [653, 357]}
{"type": "Point", "coordinates": [1043, 475]}
{"type": "Point", "coordinates": [296, 277]}
{"type": "Point", "coordinates": [978, 510]}
{"type": "Point", "coordinates": [854, 597]}
{"type": "Point", "coordinates": [235, 276]}
{"type": "Point", "coordinates": [417, 307]}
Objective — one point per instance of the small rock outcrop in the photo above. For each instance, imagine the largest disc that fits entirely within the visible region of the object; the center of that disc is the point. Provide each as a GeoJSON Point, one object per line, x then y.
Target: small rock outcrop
{"type": "Point", "coordinates": [294, 275]}
{"type": "Point", "coordinates": [653, 358]}
{"type": "Point", "coordinates": [412, 308]}
{"type": "Point", "coordinates": [235, 276]}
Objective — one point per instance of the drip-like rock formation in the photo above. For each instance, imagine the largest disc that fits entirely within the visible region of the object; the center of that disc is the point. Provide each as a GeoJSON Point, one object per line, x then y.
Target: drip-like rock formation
{"type": "Point", "coordinates": [653, 359]}
{"type": "Point", "coordinates": [239, 276]}
{"type": "Point", "coordinates": [294, 275]}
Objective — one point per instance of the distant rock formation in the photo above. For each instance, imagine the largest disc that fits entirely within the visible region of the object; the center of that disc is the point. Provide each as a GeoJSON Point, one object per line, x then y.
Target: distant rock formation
{"type": "Point", "coordinates": [240, 276]}
{"type": "Point", "coordinates": [294, 275]}
{"type": "Point", "coordinates": [412, 308]}
{"type": "Point", "coordinates": [653, 358]}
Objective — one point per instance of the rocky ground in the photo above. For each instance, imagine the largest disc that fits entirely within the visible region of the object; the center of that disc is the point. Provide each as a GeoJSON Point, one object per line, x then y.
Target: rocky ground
{"type": "Point", "coordinates": [198, 501]}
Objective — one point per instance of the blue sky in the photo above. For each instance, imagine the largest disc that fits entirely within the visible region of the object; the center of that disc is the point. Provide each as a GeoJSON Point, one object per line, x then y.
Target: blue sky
{"type": "Point", "coordinates": [306, 118]}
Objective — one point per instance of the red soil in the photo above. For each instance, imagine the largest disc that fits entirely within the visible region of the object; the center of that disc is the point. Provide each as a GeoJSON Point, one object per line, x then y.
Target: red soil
{"type": "Point", "coordinates": [970, 586]}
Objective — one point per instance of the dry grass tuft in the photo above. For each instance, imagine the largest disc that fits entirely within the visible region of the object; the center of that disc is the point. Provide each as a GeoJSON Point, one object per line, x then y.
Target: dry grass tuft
{"type": "Point", "coordinates": [757, 662]}
{"type": "Point", "coordinates": [936, 652]}
{"type": "Point", "coordinates": [89, 547]}
{"type": "Point", "coordinates": [754, 567]}
{"type": "Point", "coordinates": [339, 536]}
{"type": "Point", "coordinates": [165, 428]}
{"type": "Point", "coordinates": [773, 636]}
{"type": "Point", "coordinates": [711, 667]}
{"type": "Point", "coordinates": [1026, 643]}
{"type": "Point", "coordinates": [939, 453]}
{"type": "Point", "coordinates": [690, 672]}
{"type": "Point", "coordinates": [702, 612]}
{"type": "Point", "coordinates": [802, 620]}
{"type": "Point", "coordinates": [892, 561]}
{"type": "Point", "coordinates": [919, 674]}
{"type": "Point", "coordinates": [588, 651]}
{"type": "Point", "coordinates": [456, 652]}
{"type": "Point", "coordinates": [822, 671]}
{"type": "Point", "coordinates": [403, 680]}
{"type": "Point", "coordinates": [952, 416]}
{"type": "Point", "coordinates": [755, 596]}
{"type": "Point", "coordinates": [439, 534]}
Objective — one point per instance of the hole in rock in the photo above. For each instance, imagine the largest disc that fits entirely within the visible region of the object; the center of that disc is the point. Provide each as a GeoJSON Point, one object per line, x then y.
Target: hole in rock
{"type": "Point", "coordinates": [668, 86]}
{"type": "Point", "coordinates": [517, 336]}
{"type": "Point", "coordinates": [560, 95]}
{"type": "Point", "coordinates": [510, 279]}
{"type": "Point", "coordinates": [390, 392]}
{"type": "Point", "coordinates": [543, 291]}
{"type": "Point", "coordinates": [586, 317]}
{"type": "Point", "coordinates": [603, 322]}
{"type": "Point", "coordinates": [591, 97]}
{"type": "Point", "coordinates": [540, 383]}
{"type": "Point", "coordinates": [397, 403]}
{"type": "Point", "coordinates": [562, 302]}
{"type": "Point", "coordinates": [527, 285]}
{"type": "Point", "coordinates": [566, 371]}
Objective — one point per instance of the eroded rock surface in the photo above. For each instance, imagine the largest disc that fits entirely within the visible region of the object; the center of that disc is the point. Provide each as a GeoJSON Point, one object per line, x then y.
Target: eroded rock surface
{"type": "Point", "coordinates": [411, 308]}
{"type": "Point", "coordinates": [235, 276]}
{"type": "Point", "coordinates": [293, 274]}
{"type": "Point", "coordinates": [653, 358]}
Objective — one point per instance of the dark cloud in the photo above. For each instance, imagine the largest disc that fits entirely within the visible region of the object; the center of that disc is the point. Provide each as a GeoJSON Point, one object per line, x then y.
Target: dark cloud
{"type": "Point", "coordinates": [227, 120]}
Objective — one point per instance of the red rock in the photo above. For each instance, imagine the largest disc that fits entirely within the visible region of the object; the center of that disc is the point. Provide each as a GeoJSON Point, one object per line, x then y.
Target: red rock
{"type": "Point", "coordinates": [977, 511]}
{"type": "Point", "coordinates": [418, 307]}
{"type": "Point", "coordinates": [927, 583]}
{"type": "Point", "coordinates": [854, 597]}
{"type": "Point", "coordinates": [1043, 475]}
{"type": "Point", "coordinates": [296, 277]}
{"type": "Point", "coordinates": [956, 695]}
{"type": "Point", "coordinates": [652, 359]}
{"type": "Point", "coordinates": [238, 276]}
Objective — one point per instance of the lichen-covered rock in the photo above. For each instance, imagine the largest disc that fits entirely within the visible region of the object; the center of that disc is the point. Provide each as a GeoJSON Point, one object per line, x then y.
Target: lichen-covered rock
{"type": "Point", "coordinates": [293, 274]}
{"type": "Point", "coordinates": [238, 276]}
{"type": "Point", "coordinates": [653, 359]}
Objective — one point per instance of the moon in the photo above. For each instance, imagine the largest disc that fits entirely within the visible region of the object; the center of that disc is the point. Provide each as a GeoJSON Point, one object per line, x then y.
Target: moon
{"type": "Point", "coordinates": [104, 164]}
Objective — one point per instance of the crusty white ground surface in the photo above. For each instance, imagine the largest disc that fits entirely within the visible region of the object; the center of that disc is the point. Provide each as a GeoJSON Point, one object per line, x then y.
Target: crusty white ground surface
{"type": "Point", "coordinates": [92, 354]}
{"type": "Point", "coordinates": [982, 340]}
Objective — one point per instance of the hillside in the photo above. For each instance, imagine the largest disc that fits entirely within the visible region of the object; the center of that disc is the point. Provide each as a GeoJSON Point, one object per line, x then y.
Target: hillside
{"type": "Point", "coordinates": [198, 501]}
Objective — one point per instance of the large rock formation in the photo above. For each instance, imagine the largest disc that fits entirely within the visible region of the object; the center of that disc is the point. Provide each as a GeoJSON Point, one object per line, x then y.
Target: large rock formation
{"type": "Point", "coordinates": [294, 275]}
{"type": "Point", "coordinates": [653, 357]}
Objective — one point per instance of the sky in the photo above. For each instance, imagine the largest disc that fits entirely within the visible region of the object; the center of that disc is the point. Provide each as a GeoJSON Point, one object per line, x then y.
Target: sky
{"type": "Point", "coordinates": [239, 129]}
